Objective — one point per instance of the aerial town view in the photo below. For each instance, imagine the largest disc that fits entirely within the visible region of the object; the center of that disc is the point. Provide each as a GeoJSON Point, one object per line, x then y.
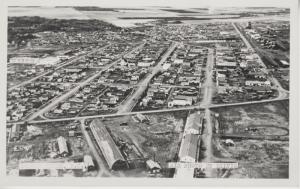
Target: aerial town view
{"type": "Point", "coordinates": [152, 92]}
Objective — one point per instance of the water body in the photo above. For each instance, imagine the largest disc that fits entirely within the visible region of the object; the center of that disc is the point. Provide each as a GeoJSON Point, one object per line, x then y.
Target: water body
{"type": "Point", "coordinates": [47, 12]}
{"type": "Point", "coordinates": [115, 17]}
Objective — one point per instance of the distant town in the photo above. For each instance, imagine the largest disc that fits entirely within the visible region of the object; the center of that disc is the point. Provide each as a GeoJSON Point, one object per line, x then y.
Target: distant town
{"type": "Point", "coordinates": [114, 92]}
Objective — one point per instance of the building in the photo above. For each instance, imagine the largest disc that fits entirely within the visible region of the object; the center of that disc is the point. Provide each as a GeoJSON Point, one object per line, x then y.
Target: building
{"type": "Point", "coordinates": [62, 146]}
{"type": "Point", "coordinates": [188, 149]}
{"type": "Point", "coordinates": [15, 132]}
{"type": "Point", "coordinates": [24, 60]}
{"type": "Point", "coordinates": [88, 162]}
{"type": "Point", "coordinates": [50, 60]}
{"type": "Point", "coordinates": [166, 66]}
{"type": "Point", "coordinates": [284, 63]}
{"type": "Point", "coordinates": [109, 149]}
{"type": "Point", "coordinates": [257, 83]}
{"type": "Point", "coordinates": [193, 124]}
{"type": "Point", "coordinates": [145, 64]}
{"type": "Point", "coordinates": [225, 64]}
{"type": "Point", "coordinates": [181, 100]}
{"type": "Point", "coordinates": [86, 165]}
{"type": "Point", "coordinates": [153, 166]}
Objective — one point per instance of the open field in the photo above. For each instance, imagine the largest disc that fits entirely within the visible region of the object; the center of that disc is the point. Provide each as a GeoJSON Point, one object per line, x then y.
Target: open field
{"type": "Point", "coordinates": [260, 158]}
{"type": "Point", "coordinates": [257, 159]}
{"type": "Point", "coordinates": [157, 139]}
{"type": "Point", "coordinates": [40, 148]}
{"type": "Point", "coordinates": [265, 119]}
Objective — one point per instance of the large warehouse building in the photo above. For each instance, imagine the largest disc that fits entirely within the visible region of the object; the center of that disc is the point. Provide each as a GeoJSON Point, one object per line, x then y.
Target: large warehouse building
{"type": "Point", "coordinates": [50, 60]}
{"type": "Point", "coordinates": [188, 149]}
{"type": "Point", "coordinates": [110, 151]}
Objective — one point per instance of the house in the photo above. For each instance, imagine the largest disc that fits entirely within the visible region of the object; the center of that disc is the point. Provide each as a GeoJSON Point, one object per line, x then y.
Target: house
{"type": "Point", "coordinates": [66, 106]}
{"type": "Point", "coordinates": [229, 142]}
{"type": "Point", "coordinates": [178, 61]}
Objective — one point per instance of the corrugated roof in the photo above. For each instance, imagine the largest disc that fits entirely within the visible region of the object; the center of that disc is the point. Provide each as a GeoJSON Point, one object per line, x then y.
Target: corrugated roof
{"type": "Point", "coordinates": [107, 146]}
{"type": "Point", "coordinates": [62, 145]}
{"type": "Point", "coordinates": [193, 122]}
{"type": "Point", "coordinates": [152, 164]}
{"type": "Point", "coordinates": [188, 146]}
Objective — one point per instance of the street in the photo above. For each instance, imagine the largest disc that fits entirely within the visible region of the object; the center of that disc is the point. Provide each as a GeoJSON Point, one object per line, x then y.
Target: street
{"type": "Point", "coordinates": [132, 100]}
{"type": "Point", "coordinates": [58, 67]}
{"type": "Point", "coordinates": [74, 90]}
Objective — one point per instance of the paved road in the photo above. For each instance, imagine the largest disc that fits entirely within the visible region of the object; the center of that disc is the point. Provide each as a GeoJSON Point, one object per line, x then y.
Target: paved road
{"type": "Point", "coordinates": [74, 90]}
{"type": "Point", "coordinates": [58, 67]}
{"type": "Point", "coordinates": [133, 99]}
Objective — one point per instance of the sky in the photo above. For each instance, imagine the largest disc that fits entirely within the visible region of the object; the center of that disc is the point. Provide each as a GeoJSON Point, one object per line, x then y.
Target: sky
{"type": "Point", "coordinates": [142, 3]}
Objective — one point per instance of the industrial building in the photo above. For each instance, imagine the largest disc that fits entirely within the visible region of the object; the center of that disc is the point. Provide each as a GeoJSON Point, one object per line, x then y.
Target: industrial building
{"type": "Point", "coordinates": [188, 149]}
{"type": "Point", "coordinates": [23, 60]}
{"type": "Point", "coordinates": [109, 149]}
{"type": "Point", "coordinates": [50, 60]}
{"type": "Point", "coordinates": [193, 124]}
{"type": "Point", "coordinates": [62, 146]}
{"type": "Point", "coordinates": [85, 165]}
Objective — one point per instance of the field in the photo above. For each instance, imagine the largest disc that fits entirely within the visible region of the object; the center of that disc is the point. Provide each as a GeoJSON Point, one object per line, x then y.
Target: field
{"type": "Point", "coordinates": [40, 148]}
{"type": "Point", "coordinates": [157, 139]}
{"type": "Point", "coordinates": [272, 117]}
{"type": "Point", "coordinates": [255, 136]}
{"type": "Point", "coordinates": [258, 159]}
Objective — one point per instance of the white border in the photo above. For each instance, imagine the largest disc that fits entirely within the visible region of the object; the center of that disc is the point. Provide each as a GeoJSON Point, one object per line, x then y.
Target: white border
{"type": "Point", "coordinates": [294, 92]}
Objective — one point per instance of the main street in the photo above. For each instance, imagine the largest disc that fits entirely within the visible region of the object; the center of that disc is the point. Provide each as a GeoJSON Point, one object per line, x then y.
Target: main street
{"type": "Point", "coordinates": [74, 90]}
{"type": "Point", "coordinates": [56, 68]}
{"type": "Point", "coordinates": [206, 102]}
{"type": "Point", "coordinates": [132, 100]}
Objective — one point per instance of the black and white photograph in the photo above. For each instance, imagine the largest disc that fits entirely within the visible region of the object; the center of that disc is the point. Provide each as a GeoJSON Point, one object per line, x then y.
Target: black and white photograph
{"type": "Point", "coordinates": [157, 91]}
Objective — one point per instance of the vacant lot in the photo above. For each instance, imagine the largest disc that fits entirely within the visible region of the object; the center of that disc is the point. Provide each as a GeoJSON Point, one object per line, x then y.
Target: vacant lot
{"type": "Point", "coordinates": [157, 139]}
{"type": "Point", "coordinates": [257, 158]}
{"type": "Point", "coordinates": [262, 119]}
{"type": "Point", "coordinates": [41, 147]}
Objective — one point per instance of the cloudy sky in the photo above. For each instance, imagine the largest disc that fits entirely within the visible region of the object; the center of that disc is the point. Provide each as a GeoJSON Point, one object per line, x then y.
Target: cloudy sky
{"type": "Point", "coordinates": [141, 3]}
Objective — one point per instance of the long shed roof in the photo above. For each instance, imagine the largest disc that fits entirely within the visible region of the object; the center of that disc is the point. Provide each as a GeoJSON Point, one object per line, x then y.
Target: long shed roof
{"type": "Point", "coordinates": [106, 144]}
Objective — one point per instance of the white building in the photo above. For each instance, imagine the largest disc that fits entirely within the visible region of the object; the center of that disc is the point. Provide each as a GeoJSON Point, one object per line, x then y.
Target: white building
{"type": "Point", "coordinates": [257, 83]}
{"type": "Point", "coordinates": [181, 101]}
{"type": "Point", "coordinates": [23, 60]}
{"type": "Point", "coordinates": [193, 124]}
{"type": "Point", "coordinates": [188, 149]}
{"type": "Point", "coordinates": [62, 146]}
{"type": "Point", "coordinates": [145, 64]}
